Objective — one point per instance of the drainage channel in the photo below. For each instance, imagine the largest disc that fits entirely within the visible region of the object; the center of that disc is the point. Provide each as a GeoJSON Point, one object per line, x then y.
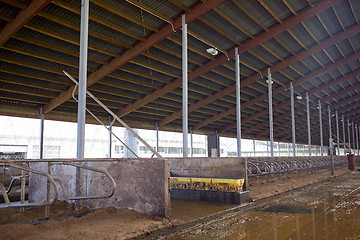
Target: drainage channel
{"type": "Point", "coordinates": [325, 210]}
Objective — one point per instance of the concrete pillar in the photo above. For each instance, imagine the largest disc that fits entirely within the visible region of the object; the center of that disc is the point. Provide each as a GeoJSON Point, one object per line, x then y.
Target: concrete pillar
{"type": "Point", "coordinates": [132, 142]}
{"type": "Point", "coordinates": [213, 145]}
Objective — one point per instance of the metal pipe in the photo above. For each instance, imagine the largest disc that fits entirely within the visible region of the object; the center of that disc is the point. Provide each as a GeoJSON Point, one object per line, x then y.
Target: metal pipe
{"type": "Point", "coordinates": [337, 132]}
{"type": "Point", "coordinates": [267, 148]}
{"type": "Point", "coordinates": [353, 134]}
{"type": "Point", "coordinates": [157, 136]}
{"type": "Point", "coordinates": [84, 26]}
{"type": "Point", "coordinates": [191, 143]}
{"type": "Point", "coordinates": [238, 108]}
{"type": "Point", "coordinates": [357, 139]}
{"type": "Point", "coordinates": [348, 124]}
{"type": "Point", "coordinates": [292, 118]}
{"type": "Point", "coordinates": [330, 143]}
{"type": "Point", "coordinates": [117, 119]}
{"type": "Point", "coordinates": [288, 148]}
{"type": "Point", "coordinates": [184, 87]}
{"type": "Point", "coordinates": [343, 128]}
{"type": "Point", "coordinates": [321, 131]}
{"type": "Point", "coordinates": [279, 148]}
{"type": "Point", "coordinates": [308, 121]}
{"type": "Point", "coordinates": [270, 114]}
{"type": "Point", "coordinates": [110, 137]}
{"type": "Point", "coordinates": [41, 144]}
{"type": "Point", "coordinates": [254, 145]}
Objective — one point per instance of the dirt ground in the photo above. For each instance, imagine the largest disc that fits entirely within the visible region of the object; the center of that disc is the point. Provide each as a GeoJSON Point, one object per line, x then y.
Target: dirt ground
{"type": "Point", "coordinates": [112, 223]}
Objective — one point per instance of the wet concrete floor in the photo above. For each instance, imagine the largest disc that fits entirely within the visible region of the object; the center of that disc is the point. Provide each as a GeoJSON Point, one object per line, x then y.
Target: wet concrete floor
{"type": "Point", "coordinates": [329, 210]}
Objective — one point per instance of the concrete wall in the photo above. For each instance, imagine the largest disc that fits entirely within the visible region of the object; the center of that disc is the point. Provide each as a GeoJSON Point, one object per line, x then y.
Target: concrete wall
{"type": "Point", "coordinates": [141, 184]}
{"type": "Point", "coordinates": [207, 167]}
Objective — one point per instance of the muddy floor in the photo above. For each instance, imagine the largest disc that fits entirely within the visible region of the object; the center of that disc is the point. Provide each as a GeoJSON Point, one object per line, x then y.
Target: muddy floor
{"type": "Point", "coordinates": [111, 223]}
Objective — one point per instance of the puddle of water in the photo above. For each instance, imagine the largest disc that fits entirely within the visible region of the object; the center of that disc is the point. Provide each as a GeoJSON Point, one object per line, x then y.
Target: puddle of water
{"type": "Point", "coordinates": [319, 212]}
{"type": "Point", "coordinates": [189, 210]}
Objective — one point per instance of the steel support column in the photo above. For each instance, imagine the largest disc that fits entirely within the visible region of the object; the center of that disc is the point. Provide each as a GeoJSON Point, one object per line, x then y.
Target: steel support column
{"type": "Point", "coordinates": [157, 136]}
{"type": "Point", "coordinates": [357, 138]}
{"type": "Point", "coordinates": [308, 121]}
{"type": "Point", "coordinates": [80, 181]}
{"type": "Point", "coordinates": [349, 138]}
{"type": "Point", "coordinates": [41, 143]}
{"type": "Point", "coordinates": [353, 135]}
{"type": "Point", "coordinates": [238, 109]}
{"type": "Point", "coordinates": [337, 131]}
{"type": "Point", "coordinates": [110, 137]}
{"type": "Point", "coordinates": [254, 145]}
{"type": "Point", "coordinates": [191, 143]}
{"type": "Point", "coordinates": [343, 128]}
{"type": "Point", "coordinates": [184, 87]}
{"type": "Point", "coordinates": [292, 118]}
{"type": "Point", "coordinates": [321, 131]}
{"type": "Point", "coordinates": [270, 114]}
{"type": "Point", "coordinates": [330, 132]}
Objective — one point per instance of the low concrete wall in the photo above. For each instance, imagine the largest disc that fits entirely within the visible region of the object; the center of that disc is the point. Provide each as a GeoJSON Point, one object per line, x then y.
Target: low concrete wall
{"type": "Point", "coordinates": [208, 167]}
{"type": "Point", "coordinates": [141, 184]}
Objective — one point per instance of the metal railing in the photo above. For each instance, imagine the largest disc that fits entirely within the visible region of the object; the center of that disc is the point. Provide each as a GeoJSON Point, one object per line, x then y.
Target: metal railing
{"type": "Point", "coordinates": [258, 167]}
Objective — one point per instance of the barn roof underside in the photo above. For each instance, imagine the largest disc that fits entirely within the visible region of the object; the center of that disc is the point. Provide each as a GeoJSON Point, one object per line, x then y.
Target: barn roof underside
{"type": "Point", "coordinates": [134, 63]}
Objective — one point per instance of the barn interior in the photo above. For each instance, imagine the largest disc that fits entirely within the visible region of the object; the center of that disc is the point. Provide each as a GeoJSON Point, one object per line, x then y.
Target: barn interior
{"type": "Point", "coordinates": [266, 70]}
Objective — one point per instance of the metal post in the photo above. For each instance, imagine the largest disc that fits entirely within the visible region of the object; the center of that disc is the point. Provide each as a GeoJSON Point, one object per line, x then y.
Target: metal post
{"type": "Point", "coordinates": [191, 143]}
{"type": "Point", "coordinates": [315, 150]}
{"type": "Point", "coordinates": [288, 148]}
{"type": "Point", "coordinates": [110, 136]}
{"type": "Point", "coordinates": [330, 143]}
{"type": "Point", "coordinates": [267, 148]}
{"type": "Point", "coordinates": [184, 87]}
{"type": "Point", "coordinates": [348, 124]}
{"type": "Point", "coordinates": [337, 132]}
{"type": "Point", "coordinates": [308, 121]}
{"type": "Point", "coordinates": [254, 145]}
{"type": "Point", "coordinates": [321, 131]}
{"type": "Point", "coordinates": [238, 109]}
{"type": "Point", "coordinates": [270, 114]}
{"type": "Point", "coordinates": [41, 144]}
{"type": "Point", "coordinates": [353, 134]}
{"type": "Point", "coordinates": [292, 118]}
{"type": "Point", "coordinates": [82, 95]}
{"type": "Point", "coordinates": [343, 128]}
{"type": "Point", "coordinates": [157, 136]}
{"type": "Point", "coordinates": [279, 148]}
{"type": "Point", "coordinates": [357, 139]}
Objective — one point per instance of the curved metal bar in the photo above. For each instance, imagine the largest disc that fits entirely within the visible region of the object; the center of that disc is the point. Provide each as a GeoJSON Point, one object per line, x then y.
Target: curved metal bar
{"type": "Point", "coordinates": [91, 169]}
{"type": "Point", "coordinates": [51, 180]}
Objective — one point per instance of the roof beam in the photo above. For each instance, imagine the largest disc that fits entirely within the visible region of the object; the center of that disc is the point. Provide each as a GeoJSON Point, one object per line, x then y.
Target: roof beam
{"type": "Point", "coordinates": [21, 19]}
{"type": "Point", "coordinates": [247, 45]}
{"type": "Point", "coordinates": [154, 38]}
{"type": "Point", "coordinates": [276, 67]}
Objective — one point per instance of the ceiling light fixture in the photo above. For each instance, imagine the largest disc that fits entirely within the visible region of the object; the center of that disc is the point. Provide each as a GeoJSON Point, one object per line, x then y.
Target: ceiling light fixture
{"type": "Point", "coordinates": [267, 81]}
{"type": "Point", "coordinates": [299, 97]}
{"type": "Point", "coordinates": [212, 51]}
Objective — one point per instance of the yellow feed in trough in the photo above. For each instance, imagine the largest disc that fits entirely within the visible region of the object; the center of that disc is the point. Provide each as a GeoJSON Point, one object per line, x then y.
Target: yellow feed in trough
{"type": "Point", "coordinates": [207, 184]}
